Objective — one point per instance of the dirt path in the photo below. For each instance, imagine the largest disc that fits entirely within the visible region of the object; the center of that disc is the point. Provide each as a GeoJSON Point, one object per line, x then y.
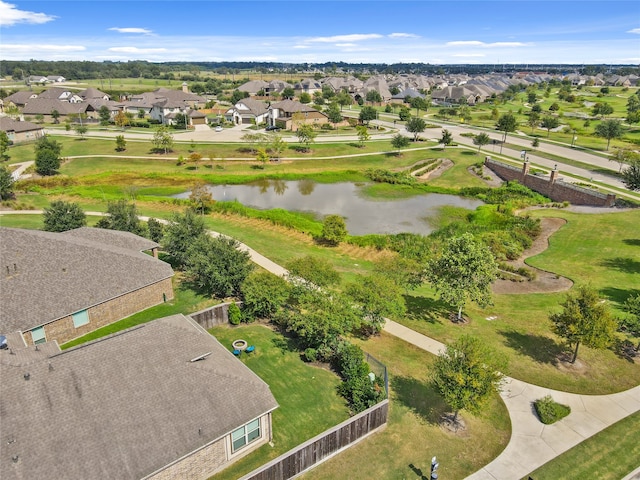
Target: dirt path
{"type": "Point", "coordinates": [545, 282]}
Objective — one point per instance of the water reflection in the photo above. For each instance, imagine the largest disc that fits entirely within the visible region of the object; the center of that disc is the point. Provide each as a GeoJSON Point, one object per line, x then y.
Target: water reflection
{"type": "Point", "coordinates": [363, 215]}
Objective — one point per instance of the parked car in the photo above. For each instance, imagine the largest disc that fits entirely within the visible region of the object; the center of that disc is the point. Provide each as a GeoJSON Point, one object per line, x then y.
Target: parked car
{"type": "Point", "coordinates": [272, 128]}
{"type": "Point", "coordinates": [218, 128]}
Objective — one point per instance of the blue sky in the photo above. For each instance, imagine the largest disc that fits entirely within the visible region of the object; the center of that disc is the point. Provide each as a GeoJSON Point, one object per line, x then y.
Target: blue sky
{"type": "Point", "coordinates": [378, 31]}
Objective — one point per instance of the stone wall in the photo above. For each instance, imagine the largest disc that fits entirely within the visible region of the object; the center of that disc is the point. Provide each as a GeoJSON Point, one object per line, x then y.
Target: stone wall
{"type": "Point", "coordinates": [108, 312]}
{"type": "Point", "coordinates": [550, 187]}
{"type": "Point", "coordinates": [212, 316]}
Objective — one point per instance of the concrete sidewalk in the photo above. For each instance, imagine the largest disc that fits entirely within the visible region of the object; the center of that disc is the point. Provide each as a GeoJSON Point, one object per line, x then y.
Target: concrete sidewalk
{"type": "Point", "coordinates": [532, 443]}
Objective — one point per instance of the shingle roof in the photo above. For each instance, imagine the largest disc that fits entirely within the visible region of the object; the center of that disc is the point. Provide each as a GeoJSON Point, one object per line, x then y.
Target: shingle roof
{"type": "Point", "coordinates": [45, 276]}
{"type": "Point", "coordinates": [45, 106]}
{"type": "Point", "coordinates": [127, 240]}
{"type": "Point", "coordinates": [292, 106]}
{"type": "Point", "coordinates": [124, 406]}
{"type": "Point", "coordinates": [10, 125]}
{"type": "Point", "coordinates": [91, 93]}
{"type": "Point", "coordinates": [21, 97]}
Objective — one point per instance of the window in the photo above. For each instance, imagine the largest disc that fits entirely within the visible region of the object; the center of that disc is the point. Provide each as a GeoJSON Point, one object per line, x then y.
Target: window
{"type": "Point", "coordinates": [80, 318]}
{"type": "Point", "coordinates": [245, 435]}
{"type": "Point", "coordinates": [38, 336]}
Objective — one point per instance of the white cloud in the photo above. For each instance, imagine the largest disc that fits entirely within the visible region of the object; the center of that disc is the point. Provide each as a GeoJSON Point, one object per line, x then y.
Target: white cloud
{"type": "Point", "coordinates": [136, 50]}
{"type": "Point", "coordinates": [301, 46]}
{"type": "Point", "coordinates": [403, 35]}
{"type": "Point", "coordinates": [344, 45]}
{"type": "Point", "coordinates": [468, 55]}
{"type": "Point", "coordinates": [10, 15]}
{"type": "Point", "coordinates": [476, 43]}
{"type": "Point", "coordinates": [354, 37]}
{"type": "Point", "coordinates": [144, 31]}
{"type": "Point", "coordinates": [48, 48]}
{"type": "Point", "coordinates": [634, 30]}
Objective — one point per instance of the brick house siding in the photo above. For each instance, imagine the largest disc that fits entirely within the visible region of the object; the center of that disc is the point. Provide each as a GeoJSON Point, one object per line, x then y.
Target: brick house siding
{"type": "Point", "coordinates": [108, 312]}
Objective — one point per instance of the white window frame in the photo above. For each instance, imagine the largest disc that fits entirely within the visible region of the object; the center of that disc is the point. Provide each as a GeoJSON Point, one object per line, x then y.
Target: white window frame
{"type": "Point", "coordinates": [80, 318]}
{"type": "Point", "coordinates": [38, 335]}
{"type": "Point", "coordinates": [246, 435]}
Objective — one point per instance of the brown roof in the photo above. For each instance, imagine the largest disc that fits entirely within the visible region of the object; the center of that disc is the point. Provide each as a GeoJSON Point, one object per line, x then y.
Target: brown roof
{"type": "Point", "coordinates": [46, 276]}
{"type": "Point", "coordinates": [292, 106]}
{"type": "Point", "coordinates": [21, 97]}
{"type": "Point", "coordinates": [124, 406]}
{"type": "Point", "coordinates": [10, 125]}
{"type": "Point", "coordinates": [44, 106]}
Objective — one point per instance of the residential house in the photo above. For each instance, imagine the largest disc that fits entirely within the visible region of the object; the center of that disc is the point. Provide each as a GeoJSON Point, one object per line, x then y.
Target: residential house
{"type": "Point", "coordinates": [162, 400]}
{"type": "Point", "coordinates": [62, 94]}
{"type": "Point", "coordinates": [20, 132]}
{"type": "Point", "coordinates": [46, 107]}
{"type": "Point", "coordinates": [59, 286]}
{"type": "Point", "coordinates": [41, 79]}
{"type": "Point", "coordinates": [307, 85]}
{"type": "Point", "coordinates": [20, 98]}
{"type": "Point", "coordinates": [55, 79]}
{"type": "Point", "coordinates": [252, 87]}
{"type": "Point", "coordinates": [247, 111]}
{"type": "Point", "coordinates": [276, 86]}
{"type": "Point", "coordinates": [93, 94]}
{"type": "Point", "coordinates": [288, 114]}
{"type": "Point", "coordinates": [406, 95]}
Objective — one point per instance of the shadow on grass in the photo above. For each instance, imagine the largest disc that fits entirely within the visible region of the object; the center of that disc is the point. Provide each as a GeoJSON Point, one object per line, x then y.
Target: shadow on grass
{"type": "Point", "coordinates": [423, 308]}
{"type": "Point", "coordinates": [419, 397]}
{"type": "Point", "coordinates": [634, 242]}
{"type": "Point", "coordinates": [542, 349]}
{"type": "Point", "coordinates": [622, 264]}
{"type": "Point", "coordinates": [619, 295]}
{"type": "Point", "coordinates": [625, 349]}
{"type": "Point", "coordinates": [418, 472]}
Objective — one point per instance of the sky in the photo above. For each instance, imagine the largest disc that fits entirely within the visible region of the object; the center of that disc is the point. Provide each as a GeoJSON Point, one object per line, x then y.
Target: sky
{"type": "Point", "coordinates": [318, 31]}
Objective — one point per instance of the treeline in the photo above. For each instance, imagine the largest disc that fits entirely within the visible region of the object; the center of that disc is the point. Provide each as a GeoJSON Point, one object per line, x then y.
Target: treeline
{"type": "Point", "coordinates": [190, 71]}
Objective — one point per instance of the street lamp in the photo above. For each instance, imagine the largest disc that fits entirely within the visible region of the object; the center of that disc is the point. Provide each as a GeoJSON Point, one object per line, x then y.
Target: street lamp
{"type": "Point", "coordinates": [573, 141]}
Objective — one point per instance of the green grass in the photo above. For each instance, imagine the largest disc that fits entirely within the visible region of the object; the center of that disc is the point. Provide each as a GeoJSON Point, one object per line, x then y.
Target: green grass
{"type": "Point", "coordinates": [185, 301]}
{"type": "Point", "coordinates": [413, 434]}
{"type": "Point", "coordinates": [307, 395]}
{"type": "Point", "coordinates": [550, 411]}
{"type": "Point", "coordinates": [608, 455]}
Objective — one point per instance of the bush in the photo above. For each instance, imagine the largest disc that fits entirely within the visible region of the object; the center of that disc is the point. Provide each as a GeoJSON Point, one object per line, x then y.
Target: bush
{"type": "Point", "coordinates": [550, 411]}
{"type": "Point", "coordinates": [310, 354]}
{"type": "Point", "coordinates": [235, 315]}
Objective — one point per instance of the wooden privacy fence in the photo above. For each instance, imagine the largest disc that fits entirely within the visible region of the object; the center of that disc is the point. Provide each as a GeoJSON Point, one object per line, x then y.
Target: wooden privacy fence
{"type": "Point", "coordinates": [323, 446]}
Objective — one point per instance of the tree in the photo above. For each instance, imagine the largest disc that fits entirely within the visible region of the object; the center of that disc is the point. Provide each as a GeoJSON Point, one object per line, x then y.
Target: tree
{"type": "Point", "coordinates": [81, 130]}
{"type": "Point", "coordinates": [121, 143]}
{"type": "Point", "coordinates": [183, 230]}
{"type": "Point", "coordinates": [404, 272]}
{"type": "Point", "coordinates": [624, 156]}
{"type": "Point", "coordinates": [217, 266]}
{"type": "Point", "coordinates": [447, 138]}
{"type": "Point", "coordinates": [200, 198]}
{"type": "Point", "coordinates": [554, 107]}
{"type": "Point", "coordinates": [481, 140]}
{"type": "Point", "coordinates": [399, 141]}
{"type": "Point", "coordinates": [463, 270]}
{"type": "Point", "coordinates": [277, 145]}
{"type": "Point", "coordinates": [419, 103]}
{"type": "Point", "coordinates": [121, 120]}
{"type": "Point", "coordinates": [373, 96]}
{"type": "Point", "coordinates": [416, 126]}
{"type": "Point", "coordinates": [344, 99]}
{"type": "Point", "coordinates": [4, 146]}
{"type": "Point", "coordinates": [314, 270]}
{"type": "Point", "coordinates": [288, 92]}
{"type": "Point", "coordinates": [584, 318]}
{"type": "Point", "coordinates": [363, 134]}
{"type": "Point", "coordinates": [181, 121]}
{"type": "Point", "coordinates": [55, 115]}
{"type": "Point", "coordinates": [631, 175]}
{"type": "Point", "coordinates": [305, 98]}
{"type": "Point", "coordinates": [609, 129]}
{"type": "Point", "coordinates": [263, 294]}
{"type": "Point", "coordinates": [601, 108]}
{"type": "Point", "coordinates": [334, 229]}
{"type": "Point", "coordinates": [536, 108]}
{"type": "Point", "coordinates": [47, 153]}
{"type": "Point", "coordinates": [534, 119]}
{"type": "Point", "coordinates": [156, 230]}
{"type": "Point", "coordinates": [104, 115]}
{"type": "Point", "coordinates": [631, 324]}
{"type": "Point", "coordinates": [367, 114]}
{"type": "Point", "coordinates": [195, 157]}
{"type": "Point", "coordinates": [549, 122]}
{"type": "Point", "coordinates": [333, 113]}
{"type": "Point", "coordinates": [306, 135]}
{"type": "Point", "coordinates": [162, 139]}
{"type": "Point", "coordinates": [6, 183]}
{"type": "Point", "coordinates": [237, 95]}
{"type": "Point", "coordinates": [466, 374]}
{"type": "Point", "coordinates": [123, 216]}
{"type": "Point", "coordinates": [61, 216]}
{"type": "Point", "coordinates": [506, 123]}
{"type": "Point", "coordinates": [262, 157]}
{"type": "Point", "coordinates": [378, 297]}
{"type": "Point", "coordinates": [404, 114]}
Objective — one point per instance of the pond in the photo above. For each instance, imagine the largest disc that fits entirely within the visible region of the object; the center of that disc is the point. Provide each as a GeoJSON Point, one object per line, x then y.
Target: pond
{"type": "Point", "coordinates": [363, 215]}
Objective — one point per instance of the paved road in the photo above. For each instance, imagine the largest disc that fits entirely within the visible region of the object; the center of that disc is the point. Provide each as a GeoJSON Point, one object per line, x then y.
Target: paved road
{"type": "Point", "coordinates": [532, 444]}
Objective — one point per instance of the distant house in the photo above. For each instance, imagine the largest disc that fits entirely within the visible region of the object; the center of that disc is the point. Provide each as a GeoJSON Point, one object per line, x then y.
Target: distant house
{"type": "Point", "coordinates": [308, 85]}
{"type": "Point", "coordinates": [59, 286]}
{"type": "Point", "coordinates": [247, 111]}
{"type": "Point", "coordinates": [163, 400]}
{"type": "Point", "coordinates": [93, 94]}
{"type": "Point", "coordinates": [56, 79]}
{"type": "Point", "coordinates": [47, 106]}
{"type": "Point", "coordinates": [252, 87]}
{"type": "Point", "coordinates": [20, 98]}
{"type": "Point", "coordinates": [41, 79]}
{"type": "Point", "coordinates": [62, 94]}
{"type": "Point", "coordinates": [19, 132]}
{"type": "Point", "coordinates": [406, 95]}
{"type": "Point", "coordinates": [163, 104]}
{"type": "Point", "coordinates": [288, 113]}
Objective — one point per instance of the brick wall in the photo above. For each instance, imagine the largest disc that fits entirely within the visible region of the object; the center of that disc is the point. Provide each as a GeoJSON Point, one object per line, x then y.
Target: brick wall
{"type": "Point", "coordinates": [556, 190]}
{"type": "Point", "coordinates": [108, 312]}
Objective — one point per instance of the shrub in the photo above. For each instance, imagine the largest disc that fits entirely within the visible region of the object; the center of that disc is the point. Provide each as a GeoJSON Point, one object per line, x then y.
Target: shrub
{"type": "Point", "coordinates": [550, 411]}
{"type": "Point", "coordinates": [310, 354]}
{"type": "Point", "coordinates": [235, 315]}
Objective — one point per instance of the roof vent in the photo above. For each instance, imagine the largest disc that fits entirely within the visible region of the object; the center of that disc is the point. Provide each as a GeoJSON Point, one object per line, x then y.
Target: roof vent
{"type": "Point", "coordinates": [3, 342]}
{"type": "Point", "coordinates": [201, 357]}
{"type": "Point", "coordinates": [27, 376]}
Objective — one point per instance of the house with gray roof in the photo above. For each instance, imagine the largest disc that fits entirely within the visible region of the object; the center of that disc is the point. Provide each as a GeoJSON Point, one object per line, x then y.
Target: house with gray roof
{"type": "Point", "coordinates": [247, 111]}
{"type": "Point", "coordinates": [19, 132]}
{"type": "Point", "coordinates": [20, 98]}
{"type": "Point", "coordinates": [289, 114]}
{"type": "Point", "coordinates": [252, 87]}
{"type": "Point", "coordinates": [59, 286]}
{"type": "Point", "coordinates": [163, 400]}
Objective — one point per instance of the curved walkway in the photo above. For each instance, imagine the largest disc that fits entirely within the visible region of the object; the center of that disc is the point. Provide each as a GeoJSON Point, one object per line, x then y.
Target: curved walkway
{"type": "Point", "coordinates": [532, 444]}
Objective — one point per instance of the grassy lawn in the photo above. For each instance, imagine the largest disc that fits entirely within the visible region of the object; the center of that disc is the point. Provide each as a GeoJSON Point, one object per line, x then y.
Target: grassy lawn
{"type": "Point", "coordinates": [413, 434]}
{"type": "Point", "coordinates": [580, 251]}
{"type": "Point", "coordinates": [309, 403]}
{"type": "Point", "coordinates": [608, 455]}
